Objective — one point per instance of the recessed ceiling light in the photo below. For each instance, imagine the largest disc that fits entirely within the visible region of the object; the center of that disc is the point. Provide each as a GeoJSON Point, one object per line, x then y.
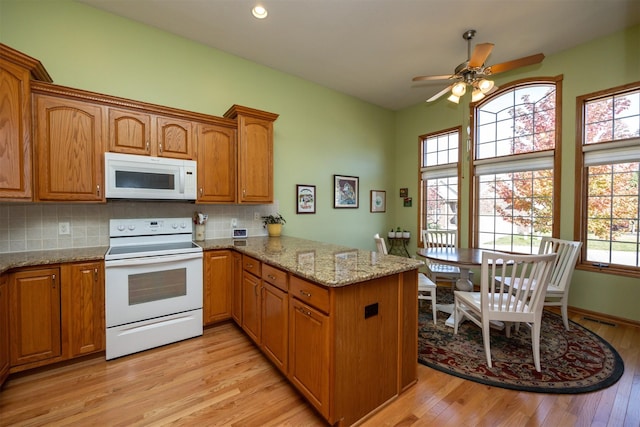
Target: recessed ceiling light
{"type": "Point", "coordinates": [259, 12]}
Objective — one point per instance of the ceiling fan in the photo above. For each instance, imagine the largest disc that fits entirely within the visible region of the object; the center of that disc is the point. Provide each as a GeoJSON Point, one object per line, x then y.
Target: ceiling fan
{"type": "Point", "coordinates": [474, 73]}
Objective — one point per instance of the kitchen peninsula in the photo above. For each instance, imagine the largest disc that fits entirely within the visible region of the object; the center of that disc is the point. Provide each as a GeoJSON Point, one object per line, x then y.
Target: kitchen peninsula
{"type": "Point", "coordinates": [339, 323]}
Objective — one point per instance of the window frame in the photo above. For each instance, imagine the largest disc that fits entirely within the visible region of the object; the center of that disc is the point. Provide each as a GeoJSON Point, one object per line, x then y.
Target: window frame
{"type": "Point", "coordinates": [474, 190]}
{"type": "Point", "coordinates": [421, 141]}
{"type": "Point", "coordinates": [580, 218]}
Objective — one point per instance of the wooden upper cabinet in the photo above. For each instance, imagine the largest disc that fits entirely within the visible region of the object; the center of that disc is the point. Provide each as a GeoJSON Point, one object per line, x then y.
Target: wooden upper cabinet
{"type": "Point", "coordinates": [255, 154]}
{"type": "Point", "coordinates": [134, 132]}
{"type": "Point", "coordinates": [129, 132]}
{"type": "Point", "coordinates": [69, 141]}
{"type": "Point", "coordinates": [216, 163]}
{"type": "Point", "coordinates": [175, 138]}
{"type": "Point", "coordinates": [16, 72]}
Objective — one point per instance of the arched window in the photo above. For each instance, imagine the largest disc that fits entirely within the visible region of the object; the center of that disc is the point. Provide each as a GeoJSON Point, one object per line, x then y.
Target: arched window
{"type": "Point", "coordinates": [515, 166]}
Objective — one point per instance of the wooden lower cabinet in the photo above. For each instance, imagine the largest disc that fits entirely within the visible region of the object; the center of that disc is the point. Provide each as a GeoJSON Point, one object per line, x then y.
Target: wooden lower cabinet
{"type": "Point", "coordinates": [34, 316]}
{"type": "Point", "coordinates": [236, 305]}
{"type": "Point", "coordinates": [251, 306]}
{"type": "Point", "coordinates": [218, 280]}
{"type": "Point", "coordinates": [4, 328]}
{"type": "Point", "coordinates": [83, 307]}
{"type": "Point", "coordinates": [275, 322]}
{"type": "Point", "coordinates": [309, 368]}
{"type": "Point", "coordinates": [55, 313]}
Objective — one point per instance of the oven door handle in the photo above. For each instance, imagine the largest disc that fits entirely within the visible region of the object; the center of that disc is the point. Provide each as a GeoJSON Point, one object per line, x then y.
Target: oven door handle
{"type": "Point", "coordinates": [151, 260]}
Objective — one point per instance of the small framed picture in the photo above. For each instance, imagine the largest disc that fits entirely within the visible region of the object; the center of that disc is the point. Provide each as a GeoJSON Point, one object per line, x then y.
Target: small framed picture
{"type": "Point", "coordinates": [407, 202]}
{"type": "Point", "coordinates": [404, 192]}
{"type": "Point", "coordinates": [378, 201]}
{"type": "Point", "coordinates": [306, 199]}
{"type": "Point", "coordinates": [346, 191]}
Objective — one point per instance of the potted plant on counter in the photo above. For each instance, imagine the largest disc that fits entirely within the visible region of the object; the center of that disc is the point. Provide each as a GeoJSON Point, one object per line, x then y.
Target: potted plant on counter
{"type": "Point", "coordinates": [273, 224]}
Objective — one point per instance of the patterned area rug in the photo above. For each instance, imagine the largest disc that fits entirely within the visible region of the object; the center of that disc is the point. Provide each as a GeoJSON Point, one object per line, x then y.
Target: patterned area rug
{"type": "Point", "coordinates": [575, 361]}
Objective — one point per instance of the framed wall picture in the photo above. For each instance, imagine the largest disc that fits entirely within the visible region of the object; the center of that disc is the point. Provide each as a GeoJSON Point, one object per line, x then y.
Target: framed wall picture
{"type": "Point", "coordinates": [346, 191]}
{"type": "Point", "coordinates": [306, 199]}
{"type": "Point", "coordinates": [378, 201]}
{"type": "Point", "coordinates": [404, 192]}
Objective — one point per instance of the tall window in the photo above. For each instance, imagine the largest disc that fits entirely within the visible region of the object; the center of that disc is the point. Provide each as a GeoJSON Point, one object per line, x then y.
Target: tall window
{"type": "Point", "coordinates": [609, 165]}
{"type": "Point", "coordinates": [514, 166]}
{"type": "Point", "coordinates": [439, 170]}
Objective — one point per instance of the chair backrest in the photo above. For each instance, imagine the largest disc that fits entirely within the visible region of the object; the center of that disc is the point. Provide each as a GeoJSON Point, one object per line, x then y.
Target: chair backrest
{"type": "Point", "coordinates": [439, 238]}
{"type": "Point", "coordinates": [382, 246]}
{"type": "Point", "coordinates": [528, 270]}
{"type": "Point", "coordinates": [568, 252]}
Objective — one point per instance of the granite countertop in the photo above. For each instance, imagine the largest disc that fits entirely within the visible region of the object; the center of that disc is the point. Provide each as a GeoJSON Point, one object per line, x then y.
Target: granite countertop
{"type": "Point", "coordinates": [323, 263]}
{"type": "Point", "coordinates": [35, 258]}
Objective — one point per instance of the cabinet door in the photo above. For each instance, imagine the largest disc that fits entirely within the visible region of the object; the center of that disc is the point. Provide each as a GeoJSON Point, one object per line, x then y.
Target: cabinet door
{"type": "Point", "coordinates": [236, 308]}
{"type": "Point", "coordinates": [174, 138]}
{"type": "Point", "coordinates": [251, 306]}
{"type": "Point", "coordinates": [34, 315]}
{"type": "Point", "coordinates": [129, 132]}
{"type": "Point", "coordinates": [69, 149]}
{"type": "Point", "coordinates": [83, 307]}
{"type": "Point", "coordinates": [216, 164]}
{"type": "Point", "coordinates": [4, 329]}
{"type": "Point", "coordinates": [15, 132]}
{"type": "Point", "coordinates": [309, 354]}
{"type": "Point", "coordinates": [275, 317]}
{"type": "Point", "coordinates": [218, 277]}
{"type": "Point", "coordinates": [255, 160]}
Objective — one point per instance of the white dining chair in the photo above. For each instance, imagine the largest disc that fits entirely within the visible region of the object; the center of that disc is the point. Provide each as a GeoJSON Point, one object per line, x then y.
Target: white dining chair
{"type": "Point", "coordinates": [437, 271]}
{"type": "Point", "coordinates": [558, 289]}
{"type": "Point", "coordinates": [427, 289]}
{"type": "Point", "coordinates": [494, 302]}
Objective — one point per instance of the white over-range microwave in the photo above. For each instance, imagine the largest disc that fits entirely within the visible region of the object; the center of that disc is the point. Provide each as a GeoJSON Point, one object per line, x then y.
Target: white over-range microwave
{"type": "Point", "coordinates": [129, 176]}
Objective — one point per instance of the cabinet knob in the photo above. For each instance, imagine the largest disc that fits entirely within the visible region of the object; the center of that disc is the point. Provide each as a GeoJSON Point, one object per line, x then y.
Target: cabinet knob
{"type": "Point", "coordinates": [98, 190]}
{"type": "Point", "coordinates": [147, 146]}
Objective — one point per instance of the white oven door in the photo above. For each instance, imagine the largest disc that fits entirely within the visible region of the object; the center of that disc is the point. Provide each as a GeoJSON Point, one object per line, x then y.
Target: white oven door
{"type": "Point", "coordinates": [150, 287]}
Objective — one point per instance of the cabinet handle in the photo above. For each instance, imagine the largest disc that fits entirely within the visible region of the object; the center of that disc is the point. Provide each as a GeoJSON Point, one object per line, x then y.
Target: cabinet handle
{"type": "Point", "coordinates": [98, 190]}
{"type": "Point", "coordinates": [160, 147]}
{"type": "Point", "coordinates": [305, 312]}
{"type": "Point", "coordinates": [53, 281]}
{"type": "Point", "coordinates": [250, 265]}
{"type": "Point", "coordinates": [95, 275]}
{"type": "Point", "coordinates": [255, 289]}
{"type": "Point", "coordinates": [147, 146]}
{"type": "Point", "coordinates": [244, 192]}
{"type": "Point", "coordinates": [306, 294]}
{"type": "Point", "coordinates": [201, 191]}
{"type": "Point", "coordinates": [271, 277]}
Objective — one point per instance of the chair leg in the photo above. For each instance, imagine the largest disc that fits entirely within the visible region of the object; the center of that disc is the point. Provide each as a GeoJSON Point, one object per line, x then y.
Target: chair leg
{"type": "Point", "coordinates": [456, 317]}
{"type": "Point", "coordinates": [565, 315]}
{"type": "Point", "coordinates": [486, 338]}
{"type": "Point", "coordinates": [535, 343]}
{"type": "Point", "coordinates": [433, 305]}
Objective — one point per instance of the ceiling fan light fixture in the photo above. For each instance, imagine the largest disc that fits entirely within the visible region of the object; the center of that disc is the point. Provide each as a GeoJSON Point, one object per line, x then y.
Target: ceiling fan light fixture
{"type": "Point", "coordinates": [485, 85]}
{"type": "Point", "coordinates": [459, 89]}
{"type": "Point", "coordinates": [453, 98]}
{"type": "Point", "coordinates": [259, 12]}
{"type": "Point", "coordinates": [476, 95]}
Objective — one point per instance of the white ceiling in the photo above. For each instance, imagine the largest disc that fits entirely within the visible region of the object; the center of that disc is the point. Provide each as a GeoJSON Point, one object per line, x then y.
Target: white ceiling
{"type": "Point", "coordinates": [371, 49]}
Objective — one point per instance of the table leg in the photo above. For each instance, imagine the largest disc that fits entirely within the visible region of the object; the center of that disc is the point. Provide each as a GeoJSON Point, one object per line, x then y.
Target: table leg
{"type": "Point", "coordinates": [462, 284]}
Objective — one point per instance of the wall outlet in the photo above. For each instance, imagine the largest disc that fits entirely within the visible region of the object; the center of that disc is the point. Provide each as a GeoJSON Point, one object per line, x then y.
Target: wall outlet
{"type": "Point", "coordinates": [234, 222]}
{"type": "Point", "coordinates": [257, 216]}
{"type": "Point", "coordinates": [63, 228]}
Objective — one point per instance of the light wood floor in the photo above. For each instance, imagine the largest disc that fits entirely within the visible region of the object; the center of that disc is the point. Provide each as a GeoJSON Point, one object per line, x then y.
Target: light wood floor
{"type": "Point", "coordinates": [221, 379]}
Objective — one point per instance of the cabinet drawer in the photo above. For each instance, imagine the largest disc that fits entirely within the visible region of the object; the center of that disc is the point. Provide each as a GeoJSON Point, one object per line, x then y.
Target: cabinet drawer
{"type": "Point", "coordinates": [276, 277]}
{"type": "Point", "coordinates": [310, 293]}
{"type": "Point", "coordinates": [251, 265]}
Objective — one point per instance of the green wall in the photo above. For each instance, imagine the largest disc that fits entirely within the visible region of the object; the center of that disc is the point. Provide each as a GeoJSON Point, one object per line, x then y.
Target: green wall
{"type": "Point", "coordinates": [320, 132]}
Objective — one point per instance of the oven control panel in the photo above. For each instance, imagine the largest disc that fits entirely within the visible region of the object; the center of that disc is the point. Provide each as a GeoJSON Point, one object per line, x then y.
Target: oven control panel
{"type": "Point", "coordinates": [149, 227]}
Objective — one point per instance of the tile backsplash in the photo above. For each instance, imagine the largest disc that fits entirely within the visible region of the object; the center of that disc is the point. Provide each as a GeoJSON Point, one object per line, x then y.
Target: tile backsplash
{"type": "Point", "coordinates": [35, 226]}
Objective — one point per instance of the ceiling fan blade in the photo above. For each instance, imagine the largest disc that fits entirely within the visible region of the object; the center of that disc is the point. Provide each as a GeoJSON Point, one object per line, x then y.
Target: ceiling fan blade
{"type": "Point", "coordinates": [516, 63]}
{"type": "Point", "coordinates": [439, 94]}
{"type": "Point", "coordinates": [422, 78]}
{"type": "Point", "coordinates": [480, 54]}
